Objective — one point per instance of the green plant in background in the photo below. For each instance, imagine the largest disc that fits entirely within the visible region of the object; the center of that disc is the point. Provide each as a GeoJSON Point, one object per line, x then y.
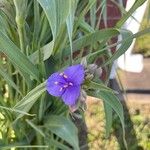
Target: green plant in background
{"type": "Point", "coordinates": [142, 43]}
{"type": "Point", "coordinates": [37, 39]}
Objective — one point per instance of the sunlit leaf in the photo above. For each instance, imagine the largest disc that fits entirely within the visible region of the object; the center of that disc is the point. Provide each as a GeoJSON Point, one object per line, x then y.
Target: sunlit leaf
{"type": "Point", "coordinates": [70, 22]}
{"type": "Point", "coordinates": [57, 12]}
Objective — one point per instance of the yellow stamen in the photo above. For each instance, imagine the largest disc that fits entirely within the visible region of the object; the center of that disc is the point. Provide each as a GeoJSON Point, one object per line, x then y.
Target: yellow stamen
{"type": "Point", "coordinates": [61, 74]}
{"type": "Point", "coordinates": [70, 83]}
{"type": "Point", "coordinates": [65, 86]}
{"type": "Point", "coordinates": [56, 83]}
{"type": "Point", "coordinates": [61, 89]}
{"type": "Point", "coordinates": [65, 76]}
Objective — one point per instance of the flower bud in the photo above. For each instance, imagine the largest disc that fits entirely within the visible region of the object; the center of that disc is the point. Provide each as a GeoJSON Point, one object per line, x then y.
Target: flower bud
{"type": "Point", "coordinates": [92, 68]}
{"type": "Point", "coordinates": [89, 76]}
{"type": "Point", "coordinates": [84, 62]}
{"type": "Point", "coordinates": [83, 95]}
{"type": "Point", "coordinates": [98, 72]}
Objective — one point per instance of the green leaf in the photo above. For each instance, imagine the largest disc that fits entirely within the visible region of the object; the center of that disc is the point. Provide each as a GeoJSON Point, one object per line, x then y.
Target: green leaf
{"type": "Point", "coordinates": [93, 15]}
{"type": "Point", "coordinates": [137, 4]}
{"type": "Point", "coordinates": [35, 127]}
{"type": "Point", "coordinates": [111, 100]}
{"type": "Point", "coordinates": [21, 146]}
{"type": "Point", "coordinates": [83, 12]}
{"type": "Point", "coordinates": [24, 146]}
{"type": "Point", "coordinates": [3, 23]}
{"type": "Point", "coordinates": [57, 12]}
{"type": "Point", "coordinates": [108, 116]}
{"type": "Point", "coordinates": [18, 58]}
{"type": "Point", "coordinates": [86, 27]}
{"type": "Point", "coordinates": [91, 38]}
{"type": "Point", "coordinates": [70, 22]}
{"type": "Point", "coordinates": [28, 101]}
{"type": "Point", "coordinates": [9, 80]}
{"type": "Point", "coordinates": [46, 53]}
{"type": "Point", "coordinates": [15, 110]}
{"type": "Point", "coordinates": [125, 44]}
{"type": "Point", "coordinates": [58, 144]}
{"type": "Point", "coordinates": [101, 86]}
{"type": "Point", "coordinates": [114, 103]}
{"type": "Point", "coordinates": [63, 128]}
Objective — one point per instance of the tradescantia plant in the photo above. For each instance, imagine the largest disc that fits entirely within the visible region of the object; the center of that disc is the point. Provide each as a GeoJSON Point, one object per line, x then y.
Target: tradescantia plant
{"type": "Point", "coordinates": [48, 54]}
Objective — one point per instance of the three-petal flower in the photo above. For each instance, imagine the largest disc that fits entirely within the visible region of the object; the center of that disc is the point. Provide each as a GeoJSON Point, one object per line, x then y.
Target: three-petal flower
{"type": "Point", "coordinates": [66, 84]}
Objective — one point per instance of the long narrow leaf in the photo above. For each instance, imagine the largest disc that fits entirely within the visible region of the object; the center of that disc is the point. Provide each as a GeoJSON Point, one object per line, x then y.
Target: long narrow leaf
{"type": "Point", "coordinates": [114, 103]}
{"type": "Point", "coordinates": [28, 101]}
{"type": "Point", "coordinates": [9, 80]}
{"type": "Point", "coordinates": [64, 128]}
{"type": "Point", "coordinates": [12, 146]}
{"type": "Point", "coordinates": [70, 22]}
{"type": "Point", "coordinates": [46, 53]}
{"type": "Point", "coordinates": [100, 86]}
{"type": "Point", "coordinates": [137, 4]}
{"type": "Point", "coordinates": [125, 45]}
{"type": "Point", "coordinates": [57, 12]}
{"type": "Point", "coordinates": [18, 58]}
{"type": "Point", "coordinates": [15, 110]}
{"type": "Point", "coordinates": [108, 116]}
{"type": "Point", "coordinates": [35, 127]}
{"type": "Point", "coordinates": [91, 38]}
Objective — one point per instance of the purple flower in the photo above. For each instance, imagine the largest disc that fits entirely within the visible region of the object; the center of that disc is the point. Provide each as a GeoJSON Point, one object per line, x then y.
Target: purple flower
{"type": "Point", "coordinates": [66, 84]}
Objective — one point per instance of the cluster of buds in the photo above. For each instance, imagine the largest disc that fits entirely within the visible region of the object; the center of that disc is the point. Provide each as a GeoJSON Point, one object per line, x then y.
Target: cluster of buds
{"type": "Point", "coordinates": [91, 70]}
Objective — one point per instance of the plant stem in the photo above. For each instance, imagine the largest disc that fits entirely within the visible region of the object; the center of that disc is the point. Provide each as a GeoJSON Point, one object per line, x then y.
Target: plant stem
{"type": "Point", "coordinates": [20, 20]}
{"type": "Point", "coordinates": [21, 37]}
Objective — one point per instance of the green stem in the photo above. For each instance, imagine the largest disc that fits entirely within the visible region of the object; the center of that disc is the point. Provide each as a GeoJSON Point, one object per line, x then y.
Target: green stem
{"type": "Point", "coordinates": [20, 21]}
{"type": "Point", "coordinates": [20, 25]}
{"type": "Point", "coordinates": [21, 37]}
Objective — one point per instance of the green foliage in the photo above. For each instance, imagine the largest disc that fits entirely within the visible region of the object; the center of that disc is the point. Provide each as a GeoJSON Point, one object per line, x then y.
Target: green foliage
{"type": "Point", "coordinates": [142, 43]}
{"type": "Point", "coordinates": [68, 131]}
{"type": "Point", "coordinates": [38, 38]}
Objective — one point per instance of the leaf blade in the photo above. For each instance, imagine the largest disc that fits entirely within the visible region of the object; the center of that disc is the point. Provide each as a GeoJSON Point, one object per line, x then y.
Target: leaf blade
{"type": "Point", "coordinates": [108, 116]}
{"type": "Point", "coordinates": [91, 38]}
{"type": "Point", "coordinates": [57, 12]}
{"type": "Point", "coordinates": [64, 128]}
{"type": "Point", "coordinates": [28, 101]}
{"type": "Point", "coordinates": [16, 57]}
{"type": "Point", "coordinates": [8, 79]}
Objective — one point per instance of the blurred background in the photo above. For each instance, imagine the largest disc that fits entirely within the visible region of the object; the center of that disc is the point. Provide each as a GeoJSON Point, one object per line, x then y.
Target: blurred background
{"type": "Point", "coordinates": [133, 85]}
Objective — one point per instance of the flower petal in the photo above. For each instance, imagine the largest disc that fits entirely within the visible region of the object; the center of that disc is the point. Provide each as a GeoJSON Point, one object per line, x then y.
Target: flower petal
{"type": "Point", "coordinates": [54, 84]}
{"type": "Point", "coordinates": [71, 95]}
{"type": "Point", "coordinates": [75, 74]}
